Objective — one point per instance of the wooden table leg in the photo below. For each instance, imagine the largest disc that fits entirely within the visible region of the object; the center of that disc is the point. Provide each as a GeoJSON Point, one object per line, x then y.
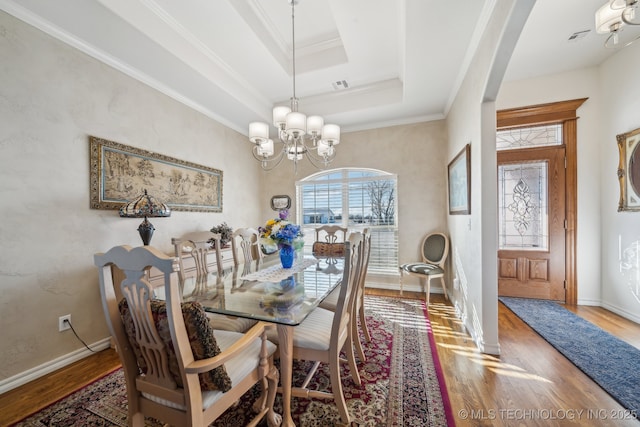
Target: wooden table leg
{"type": "Point", "coordinates": [285, 346]}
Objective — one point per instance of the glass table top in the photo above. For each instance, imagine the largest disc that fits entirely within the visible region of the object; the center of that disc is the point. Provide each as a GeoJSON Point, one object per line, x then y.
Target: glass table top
{"type": "Point", "coordinates": [277, 296]}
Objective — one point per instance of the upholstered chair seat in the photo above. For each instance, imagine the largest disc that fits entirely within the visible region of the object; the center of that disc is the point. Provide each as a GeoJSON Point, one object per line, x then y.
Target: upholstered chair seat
{"type": "Point", "coordinates": [434, 251]}
{"type": "Point", "coordinates": [237, 368]}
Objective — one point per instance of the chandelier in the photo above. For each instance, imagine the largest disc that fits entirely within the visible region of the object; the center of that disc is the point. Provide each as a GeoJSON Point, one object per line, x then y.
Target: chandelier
{"type": "Point", "coordinates": [611, 19]}
{"type": "Point", "coordinates": [299, 136]}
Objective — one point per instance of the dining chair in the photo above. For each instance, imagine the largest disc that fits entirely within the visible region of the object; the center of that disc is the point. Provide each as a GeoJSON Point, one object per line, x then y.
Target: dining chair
{"type": "Point", "coordinates": [200, 246]}
{"type": "Point", "coordinates": [329, 240]}
{"type": "Point", "coordinates": [177, 368]}
{"type": "Point", "coordinates": [434, 251]}
{"type": "Point", "coordinates": [247, 242]}
{"type": "Point", "coordinates": [331, 301]}
{"type": "Point", "coordinates": [324, 334]}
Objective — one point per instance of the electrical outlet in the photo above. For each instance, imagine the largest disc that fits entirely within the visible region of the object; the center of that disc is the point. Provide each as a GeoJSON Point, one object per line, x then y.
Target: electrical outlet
{"type": "Point", "coordinates": [64, 322]}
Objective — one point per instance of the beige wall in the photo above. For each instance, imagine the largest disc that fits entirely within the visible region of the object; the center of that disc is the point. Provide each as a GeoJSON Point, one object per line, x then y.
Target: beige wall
{"type": "Point", "coordinates": [472, 120]}
{"type": "Point", "coordinates": [415, 153]}
{"type": "Point", "coordinates": [52, 97]}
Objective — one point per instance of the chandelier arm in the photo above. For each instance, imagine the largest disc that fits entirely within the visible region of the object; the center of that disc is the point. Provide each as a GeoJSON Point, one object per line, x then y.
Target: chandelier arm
{"type": "Point", "coordinates": [265, 161]}
{"type": "Point", "coordinates": [616, 46]}
{"type": "Point", "coordinates": [610, 43]}
{"type": "Point", "coordinates": [319, 161]}
{"type": "Point", "coordinates": [283, 137]}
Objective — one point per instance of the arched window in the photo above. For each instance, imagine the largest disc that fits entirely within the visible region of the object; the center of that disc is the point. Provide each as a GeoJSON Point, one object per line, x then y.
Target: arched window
{"type": "Point", "coordinates": [354, 198]}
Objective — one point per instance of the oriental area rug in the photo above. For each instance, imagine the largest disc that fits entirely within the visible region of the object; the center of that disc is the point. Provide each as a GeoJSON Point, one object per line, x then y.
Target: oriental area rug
{"type": "Point", "coordinates": [402, 383]}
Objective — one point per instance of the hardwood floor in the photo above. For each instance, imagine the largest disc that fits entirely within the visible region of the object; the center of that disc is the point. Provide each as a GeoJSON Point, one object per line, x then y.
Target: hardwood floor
{"type": "Point", "coordinates": [16, 404]}
{"type": "Point", "coordinates": [530, 383]}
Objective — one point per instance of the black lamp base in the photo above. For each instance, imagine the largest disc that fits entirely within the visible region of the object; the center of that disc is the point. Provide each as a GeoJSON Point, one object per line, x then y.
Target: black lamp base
{"type": "Point", "coordinates": [146, 230]}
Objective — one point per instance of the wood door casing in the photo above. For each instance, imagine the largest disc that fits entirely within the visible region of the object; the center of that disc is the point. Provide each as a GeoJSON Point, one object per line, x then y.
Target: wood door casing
{"type": "Point", "coordinates": [538, 273]}
{"type": "Point", "coordinates": [564, 112]}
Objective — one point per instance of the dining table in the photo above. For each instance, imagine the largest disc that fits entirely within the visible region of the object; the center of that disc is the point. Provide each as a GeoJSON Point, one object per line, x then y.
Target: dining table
{"type": "Point", "coordinates": [265, 291]}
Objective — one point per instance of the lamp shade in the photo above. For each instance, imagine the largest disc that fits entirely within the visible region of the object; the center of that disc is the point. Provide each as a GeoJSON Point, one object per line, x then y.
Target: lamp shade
{"type": "Point", "coordinates": [145, 206]}
{"type": "Point", "coordinates": [606, 17]}
{"type": "Point", "coordinates": [325, 149]}
{"type": "Point", "coordinates": [258, 132]}
{"type": "Point", "coordinates": [618, 4]}
{"type": "Point", "coordinates": [142, 207]}
{"type": "Point", "coordinates": [280, 115]}
{"type": "Point", "coordinates": [266, 148]}
{"type": "Point", "coordinates": [314, 125]}
{"type": "Point", "coordinates": [296, 123]}
{"type": "Point", "coordinates": [331, 134]}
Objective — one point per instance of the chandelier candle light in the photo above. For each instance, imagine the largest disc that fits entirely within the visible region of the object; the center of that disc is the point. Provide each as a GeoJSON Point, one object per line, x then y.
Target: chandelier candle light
{"type": "Point", "coordinates": [300, 135]}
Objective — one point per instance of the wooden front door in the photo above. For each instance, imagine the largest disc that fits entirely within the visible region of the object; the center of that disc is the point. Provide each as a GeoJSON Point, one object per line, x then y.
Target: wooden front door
{"type": "Point", "coordinates": [531, 224]}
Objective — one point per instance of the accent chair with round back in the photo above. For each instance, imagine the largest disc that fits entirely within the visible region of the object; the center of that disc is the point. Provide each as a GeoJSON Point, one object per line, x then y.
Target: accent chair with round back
{"type": "Point", "coordinates": [434, 250]}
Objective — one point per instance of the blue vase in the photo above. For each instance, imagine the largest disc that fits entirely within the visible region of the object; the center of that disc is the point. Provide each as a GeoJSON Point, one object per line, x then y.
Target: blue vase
{"type": "Point", "coordinates": [286, 255]}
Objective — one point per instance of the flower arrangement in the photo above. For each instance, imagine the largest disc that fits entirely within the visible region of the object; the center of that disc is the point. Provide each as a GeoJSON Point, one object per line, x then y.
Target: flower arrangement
{"type": "Point", "coordinates": [225, 233]}
{"type": "Point", "coordinates": [280, 231]}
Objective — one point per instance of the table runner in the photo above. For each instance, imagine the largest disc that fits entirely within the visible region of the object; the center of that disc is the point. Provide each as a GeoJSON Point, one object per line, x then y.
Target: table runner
{"type": "Point", "coordinates": [276, 273]}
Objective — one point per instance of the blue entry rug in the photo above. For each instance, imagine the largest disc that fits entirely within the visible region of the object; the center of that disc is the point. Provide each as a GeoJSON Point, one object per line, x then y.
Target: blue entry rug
{"type": "Point", "coordinates": [609, 361]}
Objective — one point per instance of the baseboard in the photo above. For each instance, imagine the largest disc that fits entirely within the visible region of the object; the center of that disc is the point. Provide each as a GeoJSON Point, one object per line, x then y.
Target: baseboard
{"type": "Point", "coordinates": [621, 312]}
{"type": "Point", "coordinates": [407, 287]}
{"type": "Point", "coordinates": [590, 302]}
{"type": "Point", "coordinates": [51, 366]}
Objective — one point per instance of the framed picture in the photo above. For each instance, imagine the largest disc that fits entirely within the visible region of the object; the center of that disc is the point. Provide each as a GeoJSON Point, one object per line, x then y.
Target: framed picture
{"type": "Point", "coordinates": [459, 172]}
{"type": "Point", "coordinates": [119, 173]}
{"type": "Point", "coordinates": [629, 170]}
{"type": "Point", "coordinates": [279, 203]}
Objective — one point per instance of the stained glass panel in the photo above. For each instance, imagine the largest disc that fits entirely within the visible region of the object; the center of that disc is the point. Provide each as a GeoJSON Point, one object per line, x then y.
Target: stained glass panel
{"type": "Point", "coordinates": [523, 206]}
{"type": "Point", "coordinates": [536, 136]}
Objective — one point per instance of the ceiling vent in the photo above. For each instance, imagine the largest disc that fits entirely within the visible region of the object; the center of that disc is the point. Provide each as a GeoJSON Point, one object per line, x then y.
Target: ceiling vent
{"type": "Point", "coordinates": [340, 85]}
{"type": "Point", "coordinates": [578, 35]}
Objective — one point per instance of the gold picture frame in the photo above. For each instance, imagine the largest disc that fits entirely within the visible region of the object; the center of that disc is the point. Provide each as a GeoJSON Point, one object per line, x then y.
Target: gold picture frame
{"type": "Point", "coordinates": [120, 173]}
{"type": "Point", "coordinates": [629, 170]}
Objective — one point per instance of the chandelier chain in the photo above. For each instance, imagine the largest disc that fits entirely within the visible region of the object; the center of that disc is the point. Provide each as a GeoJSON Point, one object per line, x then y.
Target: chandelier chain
{"type": "Point", "coordinates": [293, 46]}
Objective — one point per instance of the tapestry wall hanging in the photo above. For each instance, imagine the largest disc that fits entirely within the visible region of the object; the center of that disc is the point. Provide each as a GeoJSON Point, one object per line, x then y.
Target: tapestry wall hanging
{"type": "Point", "coordinates": [119, 173]}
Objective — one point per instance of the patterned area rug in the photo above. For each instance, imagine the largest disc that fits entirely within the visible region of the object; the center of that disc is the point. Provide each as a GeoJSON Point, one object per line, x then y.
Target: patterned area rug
{"type": "Point", "coordinates": [402, 383]}
{"type": "Point", "coordinates": [606, 359]}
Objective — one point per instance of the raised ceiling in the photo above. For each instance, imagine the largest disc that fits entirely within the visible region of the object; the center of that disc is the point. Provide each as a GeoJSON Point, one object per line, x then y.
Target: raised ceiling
{"type": "Point", "coordinates": [359, 63]}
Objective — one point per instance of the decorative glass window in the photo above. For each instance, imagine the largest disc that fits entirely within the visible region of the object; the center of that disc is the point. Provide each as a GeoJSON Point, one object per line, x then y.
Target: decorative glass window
{"type": "Point", "coordinates": [529, 137]}
{"type": "Point", "coordinates": [523, 206]}
{"type": "Point", "coordinates": [355, 199]}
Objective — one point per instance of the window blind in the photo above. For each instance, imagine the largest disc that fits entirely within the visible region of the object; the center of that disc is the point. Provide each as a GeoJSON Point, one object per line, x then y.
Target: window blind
{"type": "Point", "coordinates": [355, 199]}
